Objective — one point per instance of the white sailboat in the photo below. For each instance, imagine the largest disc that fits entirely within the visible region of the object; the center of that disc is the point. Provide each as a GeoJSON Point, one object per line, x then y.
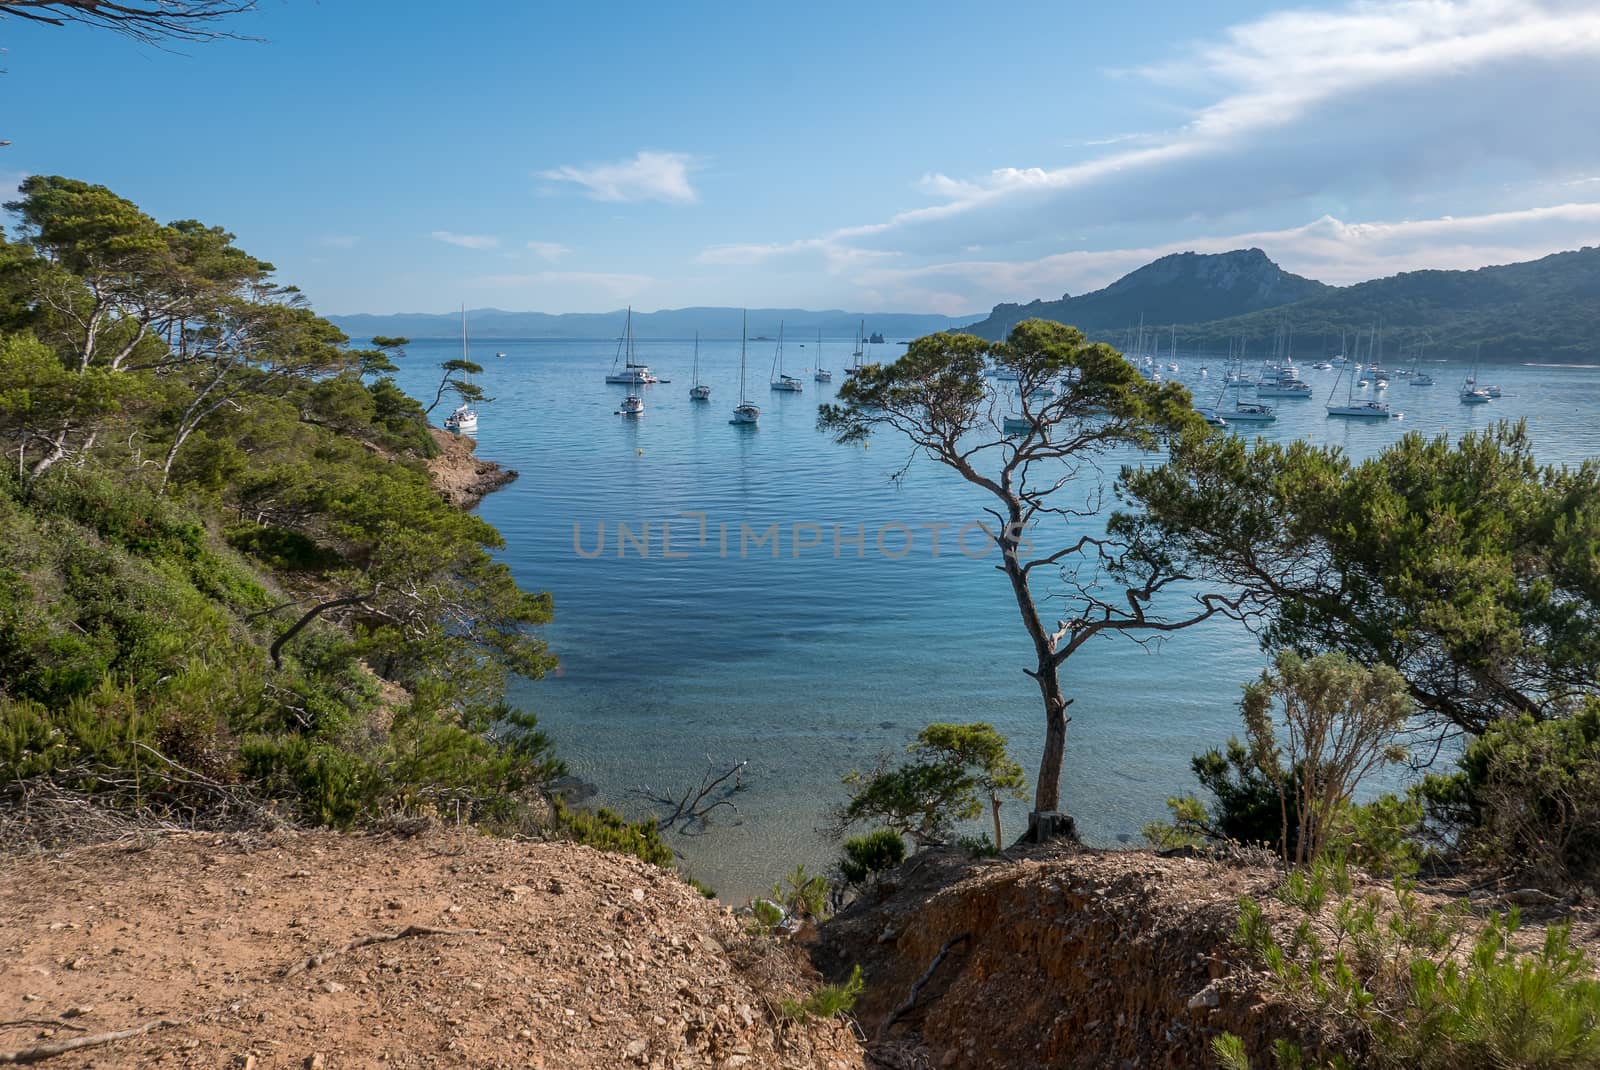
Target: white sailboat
{"type": "Point", "coordinates": [745, 412]}
{"type": "Point", "coordinates": [632, 373]}
{"type": "Point", "coordinates": [1352, 409]}
{"type": "Point", "coordinates": [699, 391]}
{"type": "Point", "coordinates": [1471, 392]}
{"type": "Point", "coordinates": [823, 375]}
{"type": "Point", "coordinates": [464, 420]}
{"type": "Point", "coordinates": [1418, 376]}
{"type": "Point", "coordinates": [856, 357]}
{"type": "Point", "coordinates": [789, 384]}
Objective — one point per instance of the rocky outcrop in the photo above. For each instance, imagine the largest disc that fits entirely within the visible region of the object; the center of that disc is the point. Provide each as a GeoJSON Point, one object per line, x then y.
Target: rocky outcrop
{"type": "Point", "coordinates": [258, 951]}
{"type": "Point", "coordinates": [461, 477]}
{"type": "Point", "coordinates": [1070, 959]}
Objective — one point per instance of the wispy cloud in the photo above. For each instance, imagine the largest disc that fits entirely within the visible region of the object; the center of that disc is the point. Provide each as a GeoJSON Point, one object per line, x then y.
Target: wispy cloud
{"type": "Point", "coordinates": [466, 241]}
{"type": "Point", "coordinates": [649, 176]}
{"type": "Point", "coordinates": [1327, 249]}
{"type": "Point", "coordinates": [338, 241]}
{"type": "Point", "coordinates": [1371, 102]}
{"type": "Point", "coordinates": [550, 251]}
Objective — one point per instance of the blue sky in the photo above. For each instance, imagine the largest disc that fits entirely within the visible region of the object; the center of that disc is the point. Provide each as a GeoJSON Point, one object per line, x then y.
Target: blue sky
{"type": "Point", "coordinates": [931, 157]}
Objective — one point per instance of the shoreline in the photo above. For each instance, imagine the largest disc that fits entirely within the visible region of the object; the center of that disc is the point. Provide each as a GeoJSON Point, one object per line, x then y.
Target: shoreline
{"type": "Point", "coordinates": [460, 477]}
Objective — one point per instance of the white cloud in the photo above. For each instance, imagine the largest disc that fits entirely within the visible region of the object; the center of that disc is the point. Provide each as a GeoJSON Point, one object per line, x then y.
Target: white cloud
{"type": "Point", "coordinates": [649, 176]}
{"type": "Point", "coordinates": [1355, 108]}
{"type": "Point", "coordinates": [338, 241]}
{"type": "Point", "coordinates": [466, 241]}
{"type": "Point", "coordinates": [550, 251]}
{"type": "Point", "coordinates": [1326, 249]}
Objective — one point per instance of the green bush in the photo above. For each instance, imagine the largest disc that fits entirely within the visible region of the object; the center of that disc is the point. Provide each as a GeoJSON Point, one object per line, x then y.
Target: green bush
{"type": "Point", "coordinates": [801, 894]}
{"type": "Point", "coordinates": [324, 783]}
{"type": "Point", "coordinates": [1382, 836]}
{"type": "Point", "coordinates": [868, 857]}
{"type": "Point", "coordinates": [1526, 799]}
{"type": "Point", "coordinates": [827, 1001]}
{"type": "Point", "coordinates": [1244, 806]}
{"type": "Point", "coordinates": [1392, 978]}
{"type": "Point", "coordinates": [607, 830]}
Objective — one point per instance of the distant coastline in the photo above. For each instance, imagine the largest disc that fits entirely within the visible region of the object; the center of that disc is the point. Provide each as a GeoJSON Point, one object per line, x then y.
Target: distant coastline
{"type": "Point", "coordinates": [666, 324]}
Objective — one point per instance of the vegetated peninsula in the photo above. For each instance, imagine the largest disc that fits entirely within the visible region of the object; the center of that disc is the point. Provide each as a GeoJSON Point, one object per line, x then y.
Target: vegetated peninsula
{"type": "Point", "coordinates": [1546, 309]}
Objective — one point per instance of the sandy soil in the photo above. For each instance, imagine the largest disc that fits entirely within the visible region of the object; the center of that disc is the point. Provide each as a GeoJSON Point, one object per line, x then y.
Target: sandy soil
{"type": "Point", "coordinates": [552, 956]}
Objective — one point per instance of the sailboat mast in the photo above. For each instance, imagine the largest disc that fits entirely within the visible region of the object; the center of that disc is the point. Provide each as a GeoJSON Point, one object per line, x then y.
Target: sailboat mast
{"type": "Point", "coordinates": [463, 330]}
{"type": "Point", "coordinates": [744, 331]}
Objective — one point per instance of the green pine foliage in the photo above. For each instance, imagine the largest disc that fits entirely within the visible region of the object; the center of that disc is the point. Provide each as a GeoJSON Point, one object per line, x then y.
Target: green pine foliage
{"type": "Point", "coordinates": [950, 773]}
{"type": "Point", "coordinates": [1525, 798]}
{"type": "Point", "coordinates": [868, 857]}
{"type": "Point", "coordinates": [606, 830]}
{"type": "Point", "coordinates": [828, 1001]}
{"type": "Point", "coordinates": [1413, 986]}
{"type": "Point", "coordinates": [225, 568]}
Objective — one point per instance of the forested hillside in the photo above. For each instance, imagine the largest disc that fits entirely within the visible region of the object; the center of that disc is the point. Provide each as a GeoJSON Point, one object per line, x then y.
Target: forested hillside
{"type": "Point", "coordinates": [226, 580]}
{"type": "Point", "coordinates": [1546, 309]}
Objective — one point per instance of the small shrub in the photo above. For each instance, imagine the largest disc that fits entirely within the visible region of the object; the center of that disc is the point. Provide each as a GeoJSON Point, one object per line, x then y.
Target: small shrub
{"type": "Point", "coordinates": [952, 771]}
{"type": "Point", "coordinates": [1341, 722]}
{"type": "Point", "coordinates": [769, 916]}
{"type": "Point", "coordinates": [1526, 799]}
{"type": "Point", "coordinates": [828, 1001]}
{"type": "Point", "coordinates": [806, 895]}
{"type": "Point", "coordinates": [980, 846]}
{"type": "Point", "coordinates": [1395, 977]}
{"type": "Point", "coordinates": [607, 830]}
{"type": "Point", "coordinates": [868, 857]}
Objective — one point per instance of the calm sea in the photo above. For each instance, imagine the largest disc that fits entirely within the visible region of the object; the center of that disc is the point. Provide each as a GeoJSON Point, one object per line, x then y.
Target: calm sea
{"type": "Point", "coordinates": [807, 656]}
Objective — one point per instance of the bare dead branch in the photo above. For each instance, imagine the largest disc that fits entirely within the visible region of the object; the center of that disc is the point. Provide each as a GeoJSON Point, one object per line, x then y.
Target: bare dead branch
{"type": "Point", "coordinates": [691, 810]}
{"type": "Point", "coordinates": [916, 989]}
{"type": "Point", "coordinates": [366, 941]}
{"type": "Point", "coordinates": [41, 1052]}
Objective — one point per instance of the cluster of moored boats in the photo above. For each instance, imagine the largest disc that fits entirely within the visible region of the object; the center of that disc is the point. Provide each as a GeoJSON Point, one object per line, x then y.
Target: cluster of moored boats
{"type": "Point", "coordinates": [1279, 378]}
{"type": "Point", "coordinates": [628, 371]}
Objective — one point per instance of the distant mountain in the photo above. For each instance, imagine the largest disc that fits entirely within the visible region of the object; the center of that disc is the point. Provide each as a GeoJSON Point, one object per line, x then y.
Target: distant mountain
{"type": "Point", "coordinates": [1181, 288]}
{"type": "Point", "coordinates": [667, 323]}
{"type": "Point", "coordinates": [1545, 309]}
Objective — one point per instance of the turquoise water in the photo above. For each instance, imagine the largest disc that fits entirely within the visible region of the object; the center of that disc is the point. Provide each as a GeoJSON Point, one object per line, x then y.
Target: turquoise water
{"type": "Point", "coordinates": [810, 663]}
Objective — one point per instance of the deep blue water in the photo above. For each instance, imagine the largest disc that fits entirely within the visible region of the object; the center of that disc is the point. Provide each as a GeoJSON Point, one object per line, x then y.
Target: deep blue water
{"type": "Point", "coordinates": [811, 662]}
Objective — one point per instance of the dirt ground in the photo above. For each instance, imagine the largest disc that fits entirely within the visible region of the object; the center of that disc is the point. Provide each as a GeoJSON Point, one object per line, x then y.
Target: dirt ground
{"type": "Point", "coordinates": [530, 955]}
{"type": "Point", "coordinates": [1074, 957]}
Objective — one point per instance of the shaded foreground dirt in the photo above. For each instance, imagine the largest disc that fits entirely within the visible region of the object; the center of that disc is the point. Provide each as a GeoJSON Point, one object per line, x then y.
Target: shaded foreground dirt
{"type": "Point", "coordinates": [1078, 958]}
{"type": "Point", "coordinates": [555, 956]}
